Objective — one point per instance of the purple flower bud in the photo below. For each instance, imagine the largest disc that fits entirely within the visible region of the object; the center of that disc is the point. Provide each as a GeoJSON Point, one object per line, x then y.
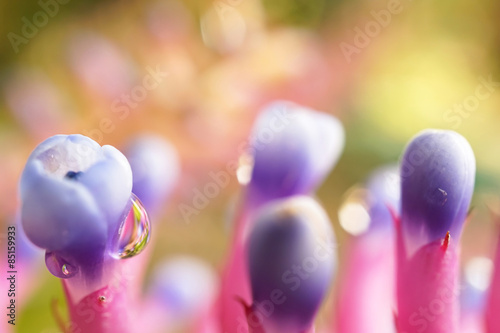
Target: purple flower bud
{"type": "Point", "coordinates": [155, 166]}
{"type": "Point", "coordinates": [74, 197]}
{"type": "Point", "coordinates": [293, 149]}
{"type": "Point", "coordinates": [437, 181]}
{"type": "Point", "coordinates": [291, 264]}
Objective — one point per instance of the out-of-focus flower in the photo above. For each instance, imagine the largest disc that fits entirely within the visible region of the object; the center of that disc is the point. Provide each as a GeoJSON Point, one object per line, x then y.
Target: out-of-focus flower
{"type": "Point", "coordinates": [184, 290]}
{"type": "Point", "coordinates": [36, 103]}
{"type": "Point", "coordinates": [102, 67]}
{"type": "Point", "coordinates": [293, 149]}
{"type": "Point", "coordinates": [437, 181]}
{"type": "Point", "coordinates": [155, 168]}
{"type": "Point", "coordinates": [366, 296]}
{"type": "Point", "coordinates": [77, 204]}
{"type": "Point", "coordinates": [290, 151]}
{"type": "Point", "coordinates": [291, 262]}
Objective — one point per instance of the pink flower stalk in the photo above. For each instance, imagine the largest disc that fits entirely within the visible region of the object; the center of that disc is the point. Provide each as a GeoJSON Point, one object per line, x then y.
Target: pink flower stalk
{"type": "Point", "coordinates": [493, 298]}
{"type": "Point", "coordinates": [292, 149]}
{"type": "Point", "coordinates": [437, 182]}
{"type": "Point", "coordinates": [292, 262]}
{"type": "Point", "coordinates": [366, 293]}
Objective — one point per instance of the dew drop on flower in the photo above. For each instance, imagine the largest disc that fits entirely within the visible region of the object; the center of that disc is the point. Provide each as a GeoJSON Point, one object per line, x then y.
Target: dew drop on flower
{"type": "Point", "coordinates": [134, 233]}
{"type": "Point", "coordinates": [353, 213]}
{"type": "Point", "coordinates": [438, 197]}
{"type": "Point", "coordinates": [59, 267]}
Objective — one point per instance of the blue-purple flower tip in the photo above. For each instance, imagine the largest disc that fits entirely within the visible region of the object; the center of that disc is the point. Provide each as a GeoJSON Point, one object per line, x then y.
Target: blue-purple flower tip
{"type": "Point", "coordinates": [293, 149]}
{"type": "Point", "coordinates": [291, 260]}
{"type": "Point", "coordinates": [384, 190]}
{"type": "Point", "coordinates": [437, 182]}
{"type": "Point", "coordinates": [155, 166]}
{"type": "Point", "coordinates": [74, 195]}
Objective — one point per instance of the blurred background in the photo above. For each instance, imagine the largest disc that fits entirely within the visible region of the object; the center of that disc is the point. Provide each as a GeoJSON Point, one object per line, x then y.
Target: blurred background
{"type": "Point", "coordinates": [197, 73]}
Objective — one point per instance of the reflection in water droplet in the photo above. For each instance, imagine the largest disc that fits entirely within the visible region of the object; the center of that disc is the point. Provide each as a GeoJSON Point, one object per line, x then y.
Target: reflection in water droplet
{"type": "Point", "coordinates": [245, 167]}
{"type": "Point", "coordinates": [353, 213]}
{"type": "Point", "coordinates": [439, 197]}
{"type": "Point", "coordinates": [59, 267]}
{"type": "Point", "coordinates": [102, 299]}
{"type": "Point", "coordinates": [134, 233]}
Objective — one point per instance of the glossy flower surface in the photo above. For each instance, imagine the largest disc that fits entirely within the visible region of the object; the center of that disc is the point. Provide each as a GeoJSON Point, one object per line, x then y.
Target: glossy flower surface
{"type": "Point", "coordinates": [74, 196]}
{"type": "Point", "coordinates": [437, 181]}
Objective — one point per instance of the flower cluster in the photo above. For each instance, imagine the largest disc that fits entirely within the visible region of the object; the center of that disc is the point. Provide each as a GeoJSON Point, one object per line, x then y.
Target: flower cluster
{"type": "Point", "coordinates": [80, 202]}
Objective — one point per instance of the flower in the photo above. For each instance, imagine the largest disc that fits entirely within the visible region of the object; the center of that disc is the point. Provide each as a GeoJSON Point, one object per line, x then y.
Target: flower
{"type": "Point", "coordinates": [74, 197]}
{"type": "Point", "coordinates": [437, 181]}
{"type": "Point", "coordinates": [293, 149]}
{"type": "Point", "coordinates": [291, 264]}
{"type": "Point", "coordinates": [155, 166]}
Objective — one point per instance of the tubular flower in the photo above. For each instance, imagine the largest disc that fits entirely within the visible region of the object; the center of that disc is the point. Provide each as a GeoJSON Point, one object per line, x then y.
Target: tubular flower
{"type": "Point", "coordinates": [77, 204]}
{"type": "Point", "coordinates": [291, 151]}
{"type": "Point", "coordinates": [437, 181]}
{"type": "Point", "coordinates": [291, 264]}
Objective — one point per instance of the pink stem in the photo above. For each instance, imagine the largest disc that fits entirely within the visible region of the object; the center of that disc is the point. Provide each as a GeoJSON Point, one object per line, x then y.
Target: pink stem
{"type": "Point", "coordinates": [112, 308]}
{"type": "Point", "coordinates": [366, 298]}
{"type": "Point", "coordinates": [493, 302]}
{"type": "Point", "coordinates": [235, 283]}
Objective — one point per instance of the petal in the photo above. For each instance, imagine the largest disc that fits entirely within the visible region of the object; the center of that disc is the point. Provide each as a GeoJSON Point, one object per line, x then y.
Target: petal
{"type": "Point", "coordinates": [291, 261]}
{"type": "Point", "coordinates": [437, 181]}
{"type": "Point", "coordinates": [59, 214]}
{"type": "Point", "coordinates": [110, 183]}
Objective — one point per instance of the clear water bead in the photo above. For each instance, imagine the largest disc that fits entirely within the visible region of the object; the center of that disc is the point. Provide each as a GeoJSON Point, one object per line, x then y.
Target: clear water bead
{"type": "Point", "coordinates": [134, 233]}
{"type": "Point", "coordinates": [59, 267]}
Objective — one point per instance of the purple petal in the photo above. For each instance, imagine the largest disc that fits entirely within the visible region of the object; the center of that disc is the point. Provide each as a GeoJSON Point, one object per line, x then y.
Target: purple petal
{"type": "Point", "coordinates": [291, 262]}
{"type": "Point", "coordinates": [293, 149]}
{"type": "Point", "coordinates": [437, 181]}
{"type": "Point", "coordinates": [155, 166]}
{"type": "Point", "coordinates": [74, 195]}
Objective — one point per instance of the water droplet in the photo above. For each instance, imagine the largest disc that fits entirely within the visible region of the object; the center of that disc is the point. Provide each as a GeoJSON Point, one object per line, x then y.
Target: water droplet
{"type": "Point", "coordinates": [245, 167]}
{"type": "Point", "coordinates": [59, 267]}
{"type": "Point", "coordinates": [102, 299]}
{"type": "Point", "coordinates": [134, 233]}
{"type": "Point", "coordinates": [438, 197]}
